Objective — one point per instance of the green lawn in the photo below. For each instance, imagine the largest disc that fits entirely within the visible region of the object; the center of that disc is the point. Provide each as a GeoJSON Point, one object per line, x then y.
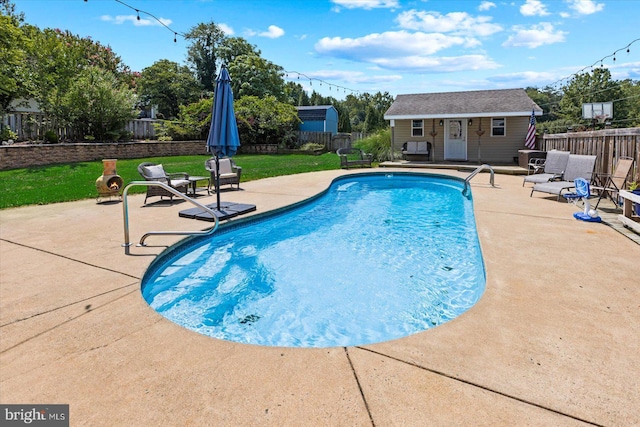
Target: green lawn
{"type": "Point", "coordinates": [42, 185]}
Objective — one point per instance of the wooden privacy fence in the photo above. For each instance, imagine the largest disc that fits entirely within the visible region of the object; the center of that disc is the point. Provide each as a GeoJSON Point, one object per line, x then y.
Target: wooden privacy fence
{"type": "Point", "coordinates": [32, 126]}
{"type": "Point", "coordinates": [608, 145]}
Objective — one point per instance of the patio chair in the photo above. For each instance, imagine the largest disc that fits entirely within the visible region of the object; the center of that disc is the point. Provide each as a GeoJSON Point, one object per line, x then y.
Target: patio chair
{"type": "Point", "coordinates": [578, 166]}
{"type": "Point", "coordinates": [552, 168]}
{"type": "Point", "coordinates": [614, 182]}
{"type": "Point", "coordinates": [230, 173]}
{"type": "Point", "coordinates": [153, 172]}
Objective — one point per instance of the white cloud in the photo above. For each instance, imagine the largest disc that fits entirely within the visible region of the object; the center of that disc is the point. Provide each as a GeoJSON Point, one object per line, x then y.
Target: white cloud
{"type": "Point", "coordinates": [403, 50]}
{"type": "Point", "coordinates": [226, 29]}
{"type": "Point", "coordinates": [435, 64]}
{"type": "Point", "coordinates": [365, 4]}
{"type": "Point", "coordinates": [454, 22]}
{"type": "Point", "coordinates": [585, 7]}
{"type": "Point", "coordinates": [390, 43]}
{"type": "Point", "coordinates": [486, 5]}
{"type": "Point", "coordinates": [534, 36]}
{"type": "Point", "coordinates": [142, 22]}
{"type": "Point", "coordinates": [273, 32]}
{"type": "Point", "coordinates": [533, 8]}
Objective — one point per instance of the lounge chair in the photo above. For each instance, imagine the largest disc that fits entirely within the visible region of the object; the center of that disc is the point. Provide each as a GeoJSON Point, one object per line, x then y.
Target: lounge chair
{"type": "Point", "coordinates": [615, 182]}
{"type": "Point", "coordinates": [153, 172]}
{"type": "Point", "coordinates": [578, 166]}
{"type": "Point", "coordinates": [553, 167]}
{"type": "Point", "coordinates": [230, 173]}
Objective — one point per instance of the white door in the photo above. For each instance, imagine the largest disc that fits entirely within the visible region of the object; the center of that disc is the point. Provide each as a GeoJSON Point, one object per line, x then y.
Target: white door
{"type": "Point", "coordinates": [455, 139]}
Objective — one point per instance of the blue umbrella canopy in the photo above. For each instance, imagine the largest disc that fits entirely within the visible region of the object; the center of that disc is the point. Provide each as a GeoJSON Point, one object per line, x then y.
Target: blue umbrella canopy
{"type": "Point", "coordinates": [223, 139]}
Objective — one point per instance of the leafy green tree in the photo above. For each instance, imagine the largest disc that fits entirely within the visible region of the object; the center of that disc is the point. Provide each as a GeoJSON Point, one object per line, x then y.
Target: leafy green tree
{"type": "Point", "coordinates": [193, 122]}
{"type": "Point", "coordinates": [13, 72]}
{"type": "Point", "coordinates": [202, 53]}
{"type": "Point", "coordinates": [54, 60]}
{"type": "Point", "coordinates": [98, 104]}
{"type": "Point", "coordinates": [265, 120]}
{"type": "Point", "coordinates": [252, 75]}
{"type": "Point", "coordinates": [630, 102]}
{"type": "Point", "coordinates": [167, 85]}
{"type": "Point", "coordinates": [344, 121]}
{"type": "Point", "coordinates": [367, 111]}
{"type": "Point", "coordinates": [232, 47]}
{"type": "Point", "coordinates": [296, 95]}
{"type": "Point", "coordinates": [596, 86]}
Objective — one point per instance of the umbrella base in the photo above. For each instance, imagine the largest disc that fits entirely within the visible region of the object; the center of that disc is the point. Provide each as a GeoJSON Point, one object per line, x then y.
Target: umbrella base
{"type": "Point", "coordinates": [227, 210]}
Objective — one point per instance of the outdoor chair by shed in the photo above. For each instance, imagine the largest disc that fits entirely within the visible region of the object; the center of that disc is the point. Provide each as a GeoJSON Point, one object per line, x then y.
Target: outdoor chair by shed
{"type": "Point", "coordinates": [578, 166]}
{"type": "Point", "coordinates": [554, 166]}
{"type": "Point", "coordinates": [612, 184]}
{"type": "Point", "coordinates": [153, 172]}
{"type": "Point", "coordinates": [354, 157]}
{"type": "Point", "coordinates": [230, 173]}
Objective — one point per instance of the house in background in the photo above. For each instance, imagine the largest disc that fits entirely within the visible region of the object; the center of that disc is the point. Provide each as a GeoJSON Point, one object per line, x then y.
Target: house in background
{"type": "Point", "coordinates": [318, 118]}
{"type": "Point", "coordinates": [478, 126]}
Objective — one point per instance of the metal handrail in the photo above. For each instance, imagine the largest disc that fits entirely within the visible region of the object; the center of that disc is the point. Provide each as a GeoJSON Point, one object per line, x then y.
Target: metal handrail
{"type": "Point", "coordinates": [474, 173]}
{"type": "Point", "coordinates": [125, 212]}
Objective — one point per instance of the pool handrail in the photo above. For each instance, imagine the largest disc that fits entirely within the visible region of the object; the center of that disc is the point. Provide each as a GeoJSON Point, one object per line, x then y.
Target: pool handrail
{"type": "Point", "coordinates": [125, 213]}
{"type": "Point", "coordinates": [474, 173]}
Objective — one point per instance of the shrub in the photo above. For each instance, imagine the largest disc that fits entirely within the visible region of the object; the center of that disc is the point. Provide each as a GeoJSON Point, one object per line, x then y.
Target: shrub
{"type": "Point", "coordinates": [378, 144]}
{"type": "Point", "coordinates": [8, 134]}
{"type": "Point", "coordinates": [50, 137]}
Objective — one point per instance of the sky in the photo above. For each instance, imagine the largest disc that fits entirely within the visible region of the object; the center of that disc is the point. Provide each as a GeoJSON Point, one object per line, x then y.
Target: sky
{"type": "Point", "coordinates": [341, 47]}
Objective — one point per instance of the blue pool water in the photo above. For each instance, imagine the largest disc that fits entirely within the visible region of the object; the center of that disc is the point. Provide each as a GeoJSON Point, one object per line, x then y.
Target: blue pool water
{"type": "Point", "coordinates": [375, 257]}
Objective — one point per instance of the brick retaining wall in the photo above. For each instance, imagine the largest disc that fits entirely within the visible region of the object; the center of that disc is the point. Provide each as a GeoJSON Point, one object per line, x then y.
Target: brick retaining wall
{"type": "Point", "coordinates": [22, 156]}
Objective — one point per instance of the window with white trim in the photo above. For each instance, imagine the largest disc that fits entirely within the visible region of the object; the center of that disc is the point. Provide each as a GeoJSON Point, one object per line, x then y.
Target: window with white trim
{"type": "Point", "coordinates": [417, 127]}
{"type": "Point", "coordinates": [498, 126]}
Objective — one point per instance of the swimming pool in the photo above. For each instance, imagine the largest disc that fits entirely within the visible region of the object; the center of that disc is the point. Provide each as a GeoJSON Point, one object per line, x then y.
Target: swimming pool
{"type": "Point", "coordinates": [376, 257]}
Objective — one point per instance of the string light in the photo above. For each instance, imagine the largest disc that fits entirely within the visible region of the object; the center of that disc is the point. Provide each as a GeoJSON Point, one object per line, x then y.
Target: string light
{"type": "Point", "coordinates": [601, 61]}
{"type": "Point", "coordinates": [175, 40]}
{"type": "Point", "coordinates": [139, 11]}
{"type": "Point", "coordinates": [321, 82]}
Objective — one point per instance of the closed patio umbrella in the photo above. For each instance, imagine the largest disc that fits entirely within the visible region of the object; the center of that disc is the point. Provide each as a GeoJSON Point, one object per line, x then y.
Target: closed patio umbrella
{"type": "Point", "coordinates": [223, 139]}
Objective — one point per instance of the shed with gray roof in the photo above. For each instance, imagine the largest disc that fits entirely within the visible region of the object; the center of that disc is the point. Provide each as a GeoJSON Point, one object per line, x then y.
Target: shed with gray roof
{"type": "Point", "coordinates": [478, 126]}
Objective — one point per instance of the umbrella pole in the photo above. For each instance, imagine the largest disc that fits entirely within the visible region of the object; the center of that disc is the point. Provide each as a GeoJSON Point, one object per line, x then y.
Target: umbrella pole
{"type": "Point", "coordinates": [218, 180]}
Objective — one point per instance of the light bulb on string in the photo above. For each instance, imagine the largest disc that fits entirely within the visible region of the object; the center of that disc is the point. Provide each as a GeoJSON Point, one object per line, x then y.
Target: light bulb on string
{"type": "Point", "coordinates": [175, 40]}
{"type": "Point", "coordinates": [138, 14]}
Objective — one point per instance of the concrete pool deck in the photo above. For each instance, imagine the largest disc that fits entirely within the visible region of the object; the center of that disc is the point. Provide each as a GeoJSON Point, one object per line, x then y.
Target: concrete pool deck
{"type": "Point", "coordinates": [554, 340]}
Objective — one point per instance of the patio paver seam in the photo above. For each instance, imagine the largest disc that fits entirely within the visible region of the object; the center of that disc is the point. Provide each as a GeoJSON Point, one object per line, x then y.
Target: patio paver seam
{"type": "Point", "coordinates": [480, 386]}
{"type": "Point", "coordinates": [69, 304]}
{"type": "Point", "coordinates": [70, 259]}
{"type": "Point", "coordinates": [355, 375]}
{"type": "Point", "coordinates": [64, 323]}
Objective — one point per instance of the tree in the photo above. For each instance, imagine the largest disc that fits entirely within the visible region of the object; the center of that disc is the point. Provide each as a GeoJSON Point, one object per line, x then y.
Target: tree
{"type": "Point", "coordinates": [13, 73]}
{"type": "Point", "coordinates": [265, 120]}
{"type": "Point", "coordinates": [167, 85]}
{"type": "Point", "coordinates": [232, 47]}
{"type": "Point", "coordinates": [202, 53]}
{"type": "Point", "coordinates": [252, 75]}
{"type": "Point", "coordinates": [585, 88]}
{"type": "Point", "coordinates": [194, 121]}
{"type": "Point", "coordinates": [630, 103]}
{"type": "Point", "coordinates": [296, 95]}
{"type": "Point", "coordinates": [98, 104]}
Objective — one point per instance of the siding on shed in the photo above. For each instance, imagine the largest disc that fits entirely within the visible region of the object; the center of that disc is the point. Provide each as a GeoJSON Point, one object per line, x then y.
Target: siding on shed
{"type": "Point", "coordinates": [497, 149]}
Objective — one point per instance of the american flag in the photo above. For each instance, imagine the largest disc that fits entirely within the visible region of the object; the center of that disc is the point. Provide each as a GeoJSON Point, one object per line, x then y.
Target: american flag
{"type": "Point", "coordinates": [530, 142]}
